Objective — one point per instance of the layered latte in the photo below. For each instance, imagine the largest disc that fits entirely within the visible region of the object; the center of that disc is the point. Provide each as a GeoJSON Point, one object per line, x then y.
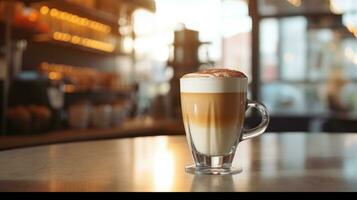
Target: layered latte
{"type": "Point", "coordinates": [213, 107]}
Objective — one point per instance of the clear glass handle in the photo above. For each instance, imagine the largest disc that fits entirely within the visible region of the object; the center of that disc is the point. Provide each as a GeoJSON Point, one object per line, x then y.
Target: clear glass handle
{"type": "Point", "coordinates": [260, 129]}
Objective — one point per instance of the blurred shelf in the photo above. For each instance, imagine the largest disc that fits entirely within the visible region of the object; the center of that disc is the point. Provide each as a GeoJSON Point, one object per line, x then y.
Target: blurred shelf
{"type": "Point", "coordinates": [52, 42]}
{"type": "Point", "coordinates": [132, 128]}
{"type": "Point", "coordinates": [18, 32]}
{"type": "Point", "coordinates": [297, 14]}
{"type": "Point", "coordinates": [96, 14]}
{"type": "Point", "coordinates": [98, 95]}
{"type": "Point", "coordinates": [91, 13]}
{"type": "Point", "coordinates": [283, 8]}
{"type": "Point", "coordinates": [315, 115]}
{"type": "Point", "coordinates": [28, 2]}
{"type": "Point", "coordinates": [145, 4]}
{"type": "Point", "coordinates": [302, 82]}
{"type": "Point", "coordinates": [83, 11]}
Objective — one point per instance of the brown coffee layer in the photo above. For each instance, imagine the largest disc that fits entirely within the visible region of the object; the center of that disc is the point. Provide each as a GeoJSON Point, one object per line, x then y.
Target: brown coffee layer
{"type": "Point", "coordinates": [213, 109]}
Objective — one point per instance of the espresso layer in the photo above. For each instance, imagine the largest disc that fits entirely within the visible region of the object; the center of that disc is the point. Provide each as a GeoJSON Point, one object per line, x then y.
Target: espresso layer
{"type": "Point", "coordinates": [214, 121]}
{"type": "Point", "coordinates": [212, 109]}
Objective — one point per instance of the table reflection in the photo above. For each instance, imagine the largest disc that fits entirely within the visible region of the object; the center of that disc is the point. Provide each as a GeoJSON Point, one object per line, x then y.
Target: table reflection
{"type": "Point", "coordinates": [155, 156]}
{"type": "Point", "coordinates": [350, 164]}
{"type": "Point", "coordinates": [203, 183]}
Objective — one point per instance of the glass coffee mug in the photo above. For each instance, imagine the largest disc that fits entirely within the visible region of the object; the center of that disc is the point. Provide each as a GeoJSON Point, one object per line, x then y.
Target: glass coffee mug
{"type": "Point", "coordinates": [213, 110]}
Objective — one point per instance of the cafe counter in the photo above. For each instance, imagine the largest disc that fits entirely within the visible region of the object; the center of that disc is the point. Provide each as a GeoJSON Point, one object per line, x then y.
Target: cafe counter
{"type": "Point", "coordinates": [272, 162]}
{"type": "Point", "coordinates": [131, 128]}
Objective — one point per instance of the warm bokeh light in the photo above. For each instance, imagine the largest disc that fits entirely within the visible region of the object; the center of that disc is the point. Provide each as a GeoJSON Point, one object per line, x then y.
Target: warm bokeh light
{"type": "Point", "coordinates": [44, 10]}
{"type": "Point", "coordinates": [54, 13]}
{"type": "Point", "coordinates": [343, 6]}
{"type": "Point", "coordinates": [128, 44]}
{"type": "Point", "coordinates": [296, 3]}
{"type": "Point", "coordinates": [75, 19]}
{"type": "Point", "coordinates": [33, 17]}
{"type": "Point", "coordinates": [163, 166]}
{"type": "Point", "coordinates": [335, 7]}
{"type": "Point", "coordinates": [54, 76]}
{"type": "Point", "coordinates": [75, 40]}
{"type": "Point", "coordinates": [86, 42]}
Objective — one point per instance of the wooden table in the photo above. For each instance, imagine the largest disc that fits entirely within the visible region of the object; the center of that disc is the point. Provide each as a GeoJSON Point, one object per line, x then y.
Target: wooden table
{"type": "Point", "coordinates": [273, 162]}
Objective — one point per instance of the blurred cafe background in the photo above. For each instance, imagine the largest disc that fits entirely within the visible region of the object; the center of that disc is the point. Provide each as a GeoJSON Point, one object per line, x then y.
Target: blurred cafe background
{"type": "Point", "coordinates": [89, 69]}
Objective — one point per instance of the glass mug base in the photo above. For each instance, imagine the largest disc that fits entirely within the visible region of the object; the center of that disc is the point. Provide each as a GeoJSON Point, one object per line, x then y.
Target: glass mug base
{"type": "Point", "coordinates": [212, 165]}
{"type": "Point", "coordinates": [212, 171]}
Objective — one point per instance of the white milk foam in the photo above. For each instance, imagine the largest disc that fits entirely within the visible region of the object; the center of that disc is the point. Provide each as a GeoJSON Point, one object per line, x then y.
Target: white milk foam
{"type": "Point", "coordinates": [213, 85]}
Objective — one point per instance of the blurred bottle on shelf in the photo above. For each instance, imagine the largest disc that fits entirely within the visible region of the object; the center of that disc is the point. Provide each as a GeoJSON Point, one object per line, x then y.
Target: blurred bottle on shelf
{"type": "Point", "coordinates": [120, 112]}
{"type": "Point", "coordinates": [82, 78]}
{"type": "Point", "coordinates": [79, 115]}
{"type": "Point", "coordinates": [101, 116]}
{"type": "Point", "coordinates": [334, 86]}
